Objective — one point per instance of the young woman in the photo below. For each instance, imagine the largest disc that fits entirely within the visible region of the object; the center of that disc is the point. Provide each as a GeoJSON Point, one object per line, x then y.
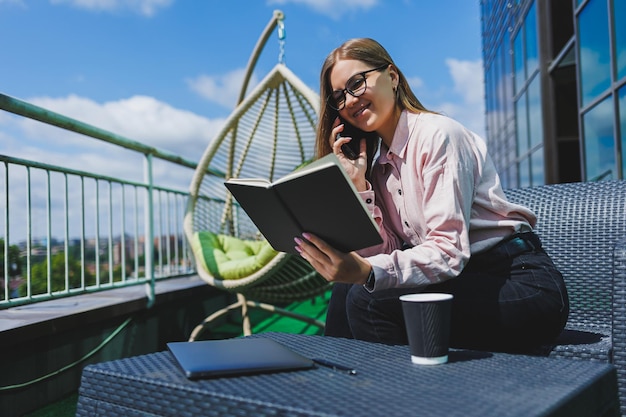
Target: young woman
{"type": "Point", "coordinates": [445, 221]}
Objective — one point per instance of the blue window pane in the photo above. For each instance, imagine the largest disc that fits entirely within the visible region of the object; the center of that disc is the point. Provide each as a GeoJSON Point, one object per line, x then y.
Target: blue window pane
{"type": "Point", "coordinates": [594, 52]}
{"type": "Point", "coordinates": [619, 13]}
{"type": "Point", "coordinates": [524, 173]}
{"type": "Point", "coordinates": [622, 122]}
{"type": "Point", "coordinates": [507, 81]}
{"type": "Point", "coordinates": [489, 102]}
{"type": "Point", "coordinates": [521, 117]}
{"type": "Point", "coordinates": [498, 88]}
{"type": "Point", "coordinates": [518, 57]}
{"type": "Point", "coordinates": [537, 167]}
{"type": "Point", "coordinates": [512, 168]}
{"type": "Point", "coordinates": [600, 154]}
{"type": "Point", "coordinates": [532, 54]}
{"type": "Point", "coordinates": [535, 118]}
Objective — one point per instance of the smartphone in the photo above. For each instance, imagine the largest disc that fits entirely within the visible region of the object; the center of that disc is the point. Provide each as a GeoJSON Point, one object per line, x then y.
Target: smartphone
{"type": "Point", "coordinates": [352, 149]}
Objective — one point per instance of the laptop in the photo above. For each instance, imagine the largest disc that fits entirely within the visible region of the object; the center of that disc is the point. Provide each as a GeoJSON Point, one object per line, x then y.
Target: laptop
{"type": "Point", "coordinates": [239, 356]}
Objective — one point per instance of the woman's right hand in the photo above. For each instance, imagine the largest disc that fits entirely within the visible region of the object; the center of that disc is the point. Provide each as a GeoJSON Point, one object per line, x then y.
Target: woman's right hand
{"type": "Point", "coordinates": [355, 168]}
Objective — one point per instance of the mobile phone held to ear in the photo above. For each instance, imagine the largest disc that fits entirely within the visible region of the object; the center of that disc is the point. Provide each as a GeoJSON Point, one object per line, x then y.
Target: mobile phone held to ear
{"type": "Point", "coordinates": [352, 149]}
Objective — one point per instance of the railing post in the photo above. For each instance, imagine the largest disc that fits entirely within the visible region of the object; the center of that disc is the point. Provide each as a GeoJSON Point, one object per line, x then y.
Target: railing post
{"type": "Point", "coordinates": [29, 236]}
{"type": "Point", "coordinates": [48, 233]}
{"type": "Point", "coordinates": [5, 290]}
{"type": "Point", "coordinates": [149, 243]}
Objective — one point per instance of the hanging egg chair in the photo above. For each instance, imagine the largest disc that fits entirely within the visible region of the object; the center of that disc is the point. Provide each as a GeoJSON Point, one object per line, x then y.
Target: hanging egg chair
{"type": "Point", "coordinates": [269, 134]}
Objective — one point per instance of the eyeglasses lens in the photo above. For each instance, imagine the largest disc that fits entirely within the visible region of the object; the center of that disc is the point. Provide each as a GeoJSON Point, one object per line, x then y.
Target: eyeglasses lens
{"type": "Point", "coordinates": [355, 87]}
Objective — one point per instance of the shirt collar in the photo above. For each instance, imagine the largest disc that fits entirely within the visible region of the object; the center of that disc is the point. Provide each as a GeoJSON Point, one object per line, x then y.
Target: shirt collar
{"type": "Point", "coordinates": [400, 138]}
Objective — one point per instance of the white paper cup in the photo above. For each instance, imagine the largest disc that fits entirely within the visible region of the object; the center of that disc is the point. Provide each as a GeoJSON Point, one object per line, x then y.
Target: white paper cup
{"type": "Point", "coordinates": [427, 319]}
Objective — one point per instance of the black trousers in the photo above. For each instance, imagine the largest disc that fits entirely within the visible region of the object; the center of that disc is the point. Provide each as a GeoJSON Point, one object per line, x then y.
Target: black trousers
{"type": "Point", "coordinates": [510, 298]}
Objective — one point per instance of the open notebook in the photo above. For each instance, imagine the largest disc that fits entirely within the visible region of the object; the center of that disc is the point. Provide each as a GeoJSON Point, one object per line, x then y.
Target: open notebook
{"type": "Point", "coordinates": [229, 357]}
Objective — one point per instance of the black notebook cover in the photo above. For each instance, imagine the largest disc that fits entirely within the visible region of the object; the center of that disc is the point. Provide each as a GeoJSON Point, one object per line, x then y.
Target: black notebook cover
{"type": "Point", "coordinates": [240, 356]}
{"type": "Point", "coordinates": [318, 198]}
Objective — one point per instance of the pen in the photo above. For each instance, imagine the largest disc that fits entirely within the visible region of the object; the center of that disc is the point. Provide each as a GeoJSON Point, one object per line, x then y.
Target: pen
{"type": "Point", "coordinates": [334, 366]}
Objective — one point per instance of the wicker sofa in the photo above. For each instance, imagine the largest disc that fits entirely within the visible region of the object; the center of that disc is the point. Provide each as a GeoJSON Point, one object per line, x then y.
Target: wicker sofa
{"type": "Point", "coordinates": [583, 228]}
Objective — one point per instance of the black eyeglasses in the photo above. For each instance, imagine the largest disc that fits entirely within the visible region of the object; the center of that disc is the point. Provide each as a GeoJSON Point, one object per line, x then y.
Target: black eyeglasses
{"type": "Point", "coordinates": [355, 86]}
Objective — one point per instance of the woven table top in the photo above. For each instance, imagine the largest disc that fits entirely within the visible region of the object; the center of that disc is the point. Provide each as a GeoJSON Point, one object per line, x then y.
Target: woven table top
{"type": "Point", "coordinates": [386, 384]}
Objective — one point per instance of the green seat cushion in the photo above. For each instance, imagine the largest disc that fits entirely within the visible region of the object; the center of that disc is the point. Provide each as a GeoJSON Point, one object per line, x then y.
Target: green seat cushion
{"type": "Point", "coordinates": [228, 257]}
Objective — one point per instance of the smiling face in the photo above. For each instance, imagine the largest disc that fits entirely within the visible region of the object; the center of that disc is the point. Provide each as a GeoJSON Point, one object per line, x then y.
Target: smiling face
{"type": "Point", "coordinates": [373, 110]}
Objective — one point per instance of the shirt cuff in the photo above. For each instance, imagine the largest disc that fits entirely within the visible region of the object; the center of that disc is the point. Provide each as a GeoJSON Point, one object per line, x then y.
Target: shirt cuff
{"type": "Point", "coordinates": [384, 277]}
{"type": "Point", "coordinates": [368, 197]}
{"type": "Point", "coordinates": [371, 281]}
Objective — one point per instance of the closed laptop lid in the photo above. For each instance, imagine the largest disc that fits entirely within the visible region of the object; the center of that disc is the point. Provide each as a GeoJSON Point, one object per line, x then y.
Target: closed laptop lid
{"type": "Point", "coordinates": [214, 358]}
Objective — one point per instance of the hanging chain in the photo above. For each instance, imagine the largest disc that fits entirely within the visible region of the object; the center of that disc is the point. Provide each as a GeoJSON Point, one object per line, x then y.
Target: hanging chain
{"type": "Point", "coordinates": [281, 41]}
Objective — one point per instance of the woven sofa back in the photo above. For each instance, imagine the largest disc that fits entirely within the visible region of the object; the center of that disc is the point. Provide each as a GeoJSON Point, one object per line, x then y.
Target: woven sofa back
{"type": "Point", "coordinates": [579, 225]}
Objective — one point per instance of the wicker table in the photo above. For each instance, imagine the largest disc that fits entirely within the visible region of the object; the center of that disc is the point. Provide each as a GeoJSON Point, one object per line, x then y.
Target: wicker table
{"type": "Point", "coordinates": [386, 384]}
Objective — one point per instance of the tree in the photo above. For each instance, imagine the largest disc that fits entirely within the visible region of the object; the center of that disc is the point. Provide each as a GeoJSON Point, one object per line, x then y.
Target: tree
{"type": "Point", "coordinates": [15, 266]}
{"type": "Point", "coordinates": [39, 274]}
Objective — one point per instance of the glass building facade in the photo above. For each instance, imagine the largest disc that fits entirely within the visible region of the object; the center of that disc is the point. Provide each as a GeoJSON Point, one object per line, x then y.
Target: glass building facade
{"type": "Point", "coordinates": [555, 89]}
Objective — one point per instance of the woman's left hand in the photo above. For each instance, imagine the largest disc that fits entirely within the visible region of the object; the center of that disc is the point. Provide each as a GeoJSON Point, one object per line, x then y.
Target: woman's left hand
{"type": "Point", "coordinates": [333, 265]}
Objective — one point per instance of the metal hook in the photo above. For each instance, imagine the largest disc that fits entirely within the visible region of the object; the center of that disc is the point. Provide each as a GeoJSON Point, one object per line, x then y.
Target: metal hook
{"type": "Point", "coordinates": [281, 40]}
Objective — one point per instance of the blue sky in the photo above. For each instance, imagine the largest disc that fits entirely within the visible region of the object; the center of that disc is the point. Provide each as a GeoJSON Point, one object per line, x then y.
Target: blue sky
{"type": "Point", "coordinates": [167, 72]}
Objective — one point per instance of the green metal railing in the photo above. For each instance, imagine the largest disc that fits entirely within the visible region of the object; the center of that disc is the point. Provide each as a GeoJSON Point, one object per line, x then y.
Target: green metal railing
{"type": "Point", "coordinates": [138, 236]}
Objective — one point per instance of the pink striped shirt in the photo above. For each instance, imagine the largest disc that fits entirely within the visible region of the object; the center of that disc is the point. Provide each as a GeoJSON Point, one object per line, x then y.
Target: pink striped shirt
{"type": "Point", "coordinates": [436, 191]}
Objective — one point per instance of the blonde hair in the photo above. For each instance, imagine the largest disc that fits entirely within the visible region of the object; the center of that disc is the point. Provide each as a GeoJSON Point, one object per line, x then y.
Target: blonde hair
{"type": "Point", "coordinates": [370, 52]}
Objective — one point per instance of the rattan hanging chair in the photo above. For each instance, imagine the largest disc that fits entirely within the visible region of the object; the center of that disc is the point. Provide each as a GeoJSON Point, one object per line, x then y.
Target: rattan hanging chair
{"type": "Point", "coordinates": [269, 134]}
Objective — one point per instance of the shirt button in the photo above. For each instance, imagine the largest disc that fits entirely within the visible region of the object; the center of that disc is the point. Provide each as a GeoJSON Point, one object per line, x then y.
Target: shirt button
{"type": "Point", "coordinates": [406, 223]}
{"type": "Point", "coordinates": [400, 191]}
{"type": "Point", "coordinates": [368, 201]}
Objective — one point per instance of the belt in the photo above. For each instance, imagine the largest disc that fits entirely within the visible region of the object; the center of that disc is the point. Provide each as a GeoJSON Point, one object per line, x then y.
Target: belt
{"type": "Point", "coordinates": [514, 245]}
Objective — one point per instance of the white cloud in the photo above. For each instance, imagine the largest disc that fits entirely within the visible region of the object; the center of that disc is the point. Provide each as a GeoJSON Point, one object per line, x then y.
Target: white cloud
{"type": "Point", "coordinates": [147, 8]}
{"type": "Point", "coordinates": [223, 90]}
{"type": "Point", "coordinates": [415, 82]}
{"type": "Point", "coordinates": [468, 81]}
{"type": "Point", "coordinates": [140, 118]}
{"type": "Point", "coordinates": [331, 8]}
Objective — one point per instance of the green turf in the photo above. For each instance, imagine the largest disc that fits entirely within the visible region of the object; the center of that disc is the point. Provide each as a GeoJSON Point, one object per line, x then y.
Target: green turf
{"type": "Point", "coordinates": [315, 308]}
{"type": "Point", "coordinates": [62, 408]}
